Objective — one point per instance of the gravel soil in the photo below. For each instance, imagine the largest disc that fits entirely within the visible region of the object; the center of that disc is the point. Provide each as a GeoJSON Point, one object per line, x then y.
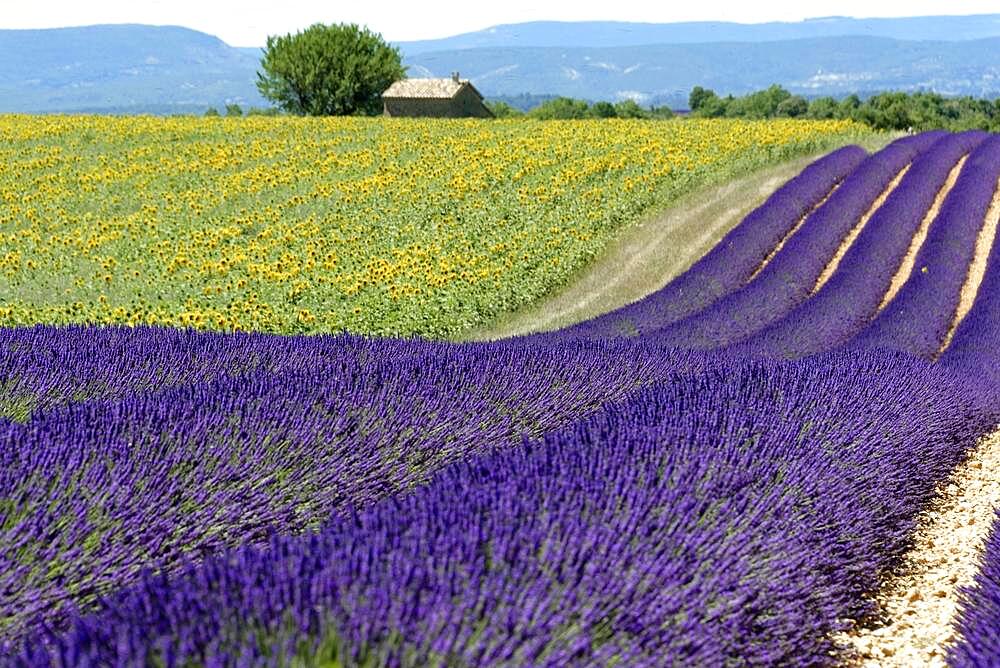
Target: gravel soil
{"type": "Point", "coordinates": [856, 230]}
{"type": "Point", "coordinates": [919, 605]}
{"type": "Point", "coordinates": [906, 268]}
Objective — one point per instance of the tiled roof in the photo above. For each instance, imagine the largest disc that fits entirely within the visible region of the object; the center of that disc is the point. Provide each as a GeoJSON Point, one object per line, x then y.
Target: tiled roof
{"type": "Point", "coordinates": [435, 88]}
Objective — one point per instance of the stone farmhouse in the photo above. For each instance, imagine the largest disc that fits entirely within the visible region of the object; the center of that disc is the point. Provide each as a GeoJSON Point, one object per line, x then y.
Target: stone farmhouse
{"type": "Point", "coordinates": [441, 98]}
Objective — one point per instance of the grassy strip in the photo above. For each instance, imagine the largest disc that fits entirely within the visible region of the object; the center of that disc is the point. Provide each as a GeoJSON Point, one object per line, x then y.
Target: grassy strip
{"type": "Point", "coordinates": [661, 245]}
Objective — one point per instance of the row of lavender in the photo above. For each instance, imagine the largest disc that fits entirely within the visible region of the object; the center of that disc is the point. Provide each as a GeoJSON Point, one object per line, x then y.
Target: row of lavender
{"type": "Point", "coordinates": [788, 279]}
{"type": "Point", "coordinates": [160, 446]}
{"type": "Point", "coordinates": [733, 510]}
{"type": "Point", "coordinates": [918, 319]}
{"type": "Point", "coordinates": [854, 293]}
{"type": "Point", "coordinates": [847, 312]}
{"type": "Point", "coordinates": [728, 279]}
{"type": "Point", "coordinates": [779, 313]}
{"type": "Point", "coordinates": [257, 434]}
{"type": "Point", "coordinates": [975, 352]}
{"type": "Point", "coordinates": [732, 262]}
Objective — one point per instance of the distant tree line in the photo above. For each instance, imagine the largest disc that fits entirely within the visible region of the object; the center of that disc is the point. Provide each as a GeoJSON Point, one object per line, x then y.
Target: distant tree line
{"type": "Point", "coordinates": [522, 101]}
{"type": "Point", "coordinates": [883, 111]}
{"type": "Point", "coordinates": [566, 108]}
{"type": "Point", "coordinates": [237, 110]}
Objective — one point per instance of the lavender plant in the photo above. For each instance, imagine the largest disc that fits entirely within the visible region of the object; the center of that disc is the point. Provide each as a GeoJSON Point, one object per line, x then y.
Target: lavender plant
{"type": "Point", "coordinates": [729, 515]}
{"type": "Point", "coordinates": [788, 279]}
{"type": "Point", "coordinates": [597, 496]}
{"type": "Point", "coordinates": [851, 297]}
{"type": "Point", "coordinates": [917, 320]}
{"type": "Point", "coordinates": [975, 346]}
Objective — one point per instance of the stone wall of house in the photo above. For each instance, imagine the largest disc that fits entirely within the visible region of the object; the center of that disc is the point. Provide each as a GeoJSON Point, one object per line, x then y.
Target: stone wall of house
{"type": "Point", "coordinates": [465, 104]}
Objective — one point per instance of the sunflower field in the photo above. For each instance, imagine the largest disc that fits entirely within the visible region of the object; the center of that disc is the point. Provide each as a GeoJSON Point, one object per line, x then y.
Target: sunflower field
{"type": "Point", "coordinates": [395, 227]}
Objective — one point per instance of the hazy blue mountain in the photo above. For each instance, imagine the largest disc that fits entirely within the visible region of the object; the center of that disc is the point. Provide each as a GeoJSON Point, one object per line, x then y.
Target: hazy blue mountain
{"type": "Point", "coordinates": [664, 74]}
{"type": "Point", "coordinates": [614, 33]}
{"type": "Point", "coordinates": [123, 67]}
{"type": "Point", "coordinates": [135, 68]}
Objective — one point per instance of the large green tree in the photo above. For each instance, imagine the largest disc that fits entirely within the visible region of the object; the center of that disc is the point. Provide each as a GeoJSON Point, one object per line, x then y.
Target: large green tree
{"type": "Point", "coordinates": [329, 70]}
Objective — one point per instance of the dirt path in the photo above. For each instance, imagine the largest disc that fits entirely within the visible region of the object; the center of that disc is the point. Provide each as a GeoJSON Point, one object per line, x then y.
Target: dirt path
{"type": "Point", "coordinates": [984, 243]}
{"type": "Point", "coordinates": [646, 256]}
{"type": "Point", "coordinates": [906, 268]}
{"type": "Point", "coordinates": [848, 240]}
{"type": "Point", "coordinates": [920, 605]}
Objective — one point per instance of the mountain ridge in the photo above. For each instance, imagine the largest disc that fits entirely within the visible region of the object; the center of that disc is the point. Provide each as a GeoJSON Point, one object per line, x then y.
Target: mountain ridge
{"type": "Point", "coordinates": [131, 68]}
{"type": "Point", "coordinates": [121, 66]}
{"type": "Point", "coordinates": [625, 33]}
{"type": "Point", "coordinates": [664, 74]}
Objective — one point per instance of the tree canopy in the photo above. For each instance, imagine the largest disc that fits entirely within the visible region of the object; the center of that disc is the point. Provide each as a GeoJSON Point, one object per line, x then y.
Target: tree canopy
{"type": "Point", "coordinates": [566, 108]}
{"type": "Point", "coordinates": [883, 111]}
{"type": "Point", "coordinates": [329, 70]}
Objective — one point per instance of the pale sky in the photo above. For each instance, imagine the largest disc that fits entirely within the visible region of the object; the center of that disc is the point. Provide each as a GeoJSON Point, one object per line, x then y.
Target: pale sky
{"type": "Point", "coordinates": [249, 22]}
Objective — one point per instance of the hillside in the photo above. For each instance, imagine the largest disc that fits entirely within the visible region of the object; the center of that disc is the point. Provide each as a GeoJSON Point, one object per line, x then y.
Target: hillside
{"type": "Point", "coordinates": [664, 74]}
{"type": "Point", "coordinates": [123, 67]}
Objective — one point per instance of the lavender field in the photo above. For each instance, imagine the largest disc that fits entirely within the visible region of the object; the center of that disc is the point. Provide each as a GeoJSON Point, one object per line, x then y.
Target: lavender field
{"type": "Point", "coordinates": [719, 474]}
